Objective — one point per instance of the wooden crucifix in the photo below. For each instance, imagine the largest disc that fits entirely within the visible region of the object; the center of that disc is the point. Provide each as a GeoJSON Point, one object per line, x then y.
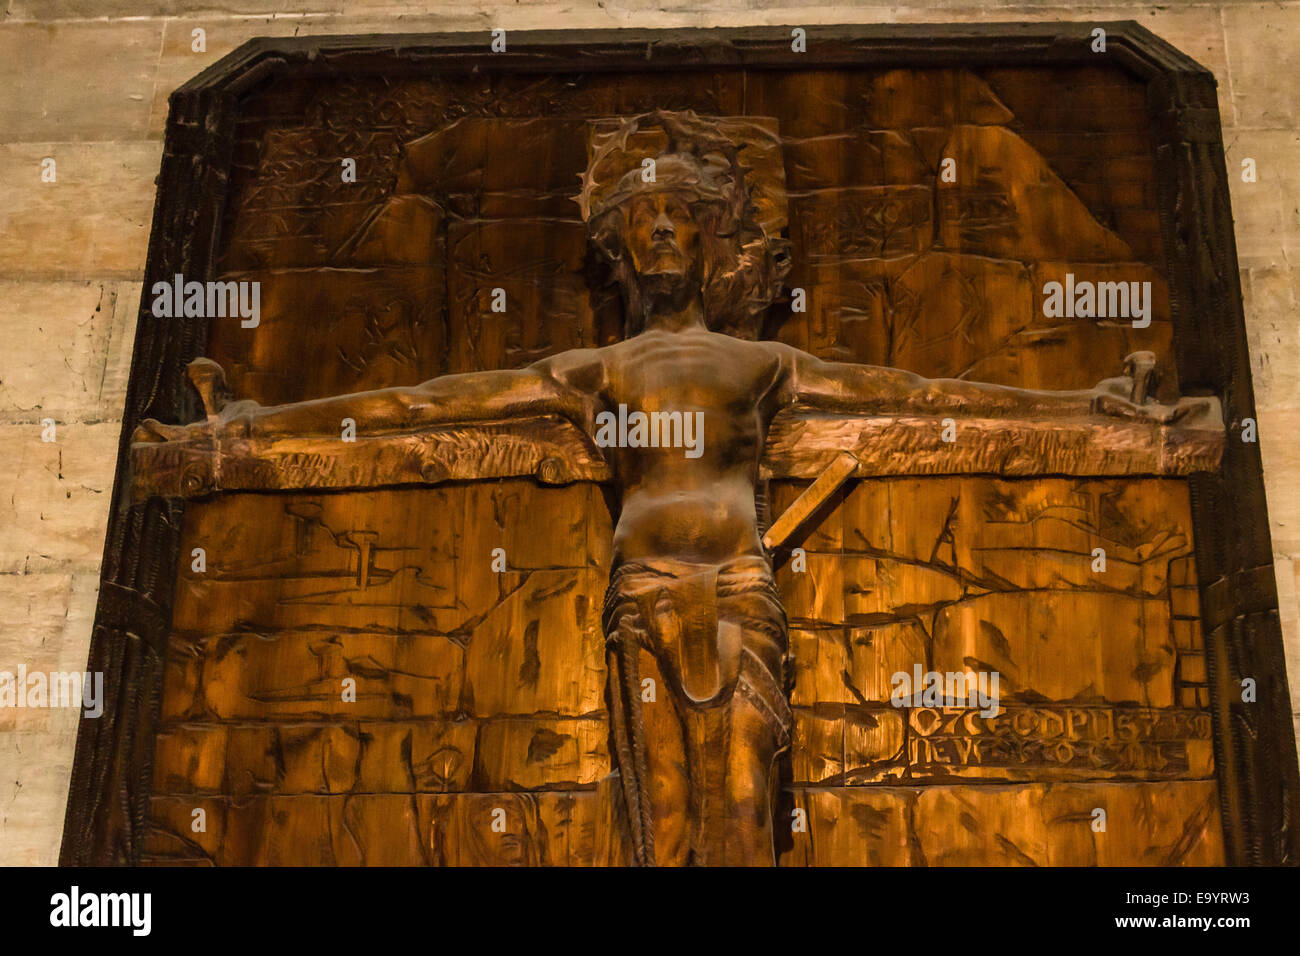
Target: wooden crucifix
{"type": "Point", "coordinates": [686, 418]}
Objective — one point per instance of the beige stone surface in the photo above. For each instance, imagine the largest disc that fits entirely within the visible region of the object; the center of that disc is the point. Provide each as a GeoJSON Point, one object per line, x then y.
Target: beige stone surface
{"type": "Point", "coordinates": [1287, 570]}
{"type": "Point", "coordinates": [1271, 293]}
{"type": "Point", "coordinates": [1265, 227]}
{"type": "Point", "coordinates": [47, 90]}
{"type": "Point", "coordinates": [86, 82]}
{"type": "Point", "coordinates": [58, 337]}
{"type": "Point", "coordinates": [114, 9]}
{"type": "Point", "coordinates": [92, 221]}
{"type": "Point", "coordinates": [33, 608]}
{"type": "Point", "coordinates": [121, 342]}
{"type": "Point", "coordinates": [35, 768]}
{"type": "Point", "coordinates": [54, 496]}
{"type": "Point", "coordinates": [47, 617]}
{"type": "Point", "coordinates": [1262, 53]}
{"type": "Point", "coordinates": [1277, 428]}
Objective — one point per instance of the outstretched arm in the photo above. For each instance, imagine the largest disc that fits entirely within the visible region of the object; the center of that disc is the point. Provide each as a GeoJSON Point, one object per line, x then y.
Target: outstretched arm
{"type": "Point", "coordinates": [846, 387]}
{"type": "Point", "coordinates": [565, 385]}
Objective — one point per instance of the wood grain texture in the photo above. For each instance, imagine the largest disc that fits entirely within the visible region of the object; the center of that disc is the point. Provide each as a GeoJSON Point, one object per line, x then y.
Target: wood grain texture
{"type": "Point", "coordinates": [418, 777]}
{"type": "Point", "coordinates": [692, 611]}
{"type": "Point", "coordinates": [554, 451]}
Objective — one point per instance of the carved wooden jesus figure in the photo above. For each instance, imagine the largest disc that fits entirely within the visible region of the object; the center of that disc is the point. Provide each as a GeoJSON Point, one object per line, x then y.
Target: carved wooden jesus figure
{"type": "Point", "coordinates": [692, 601]}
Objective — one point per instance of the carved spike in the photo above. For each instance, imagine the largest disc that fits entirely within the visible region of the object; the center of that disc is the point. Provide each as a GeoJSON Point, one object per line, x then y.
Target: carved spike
{"type": "Point", "coordinates": [209, 380]}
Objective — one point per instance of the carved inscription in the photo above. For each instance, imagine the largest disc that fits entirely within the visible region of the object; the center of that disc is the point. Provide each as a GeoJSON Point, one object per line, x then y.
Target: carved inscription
{"type": "Point", "coordinates": [1060, 740]}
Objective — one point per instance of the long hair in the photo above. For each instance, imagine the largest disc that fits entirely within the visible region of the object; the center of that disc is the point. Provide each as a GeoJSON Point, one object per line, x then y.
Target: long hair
{"type": "Point", "coordinates": [742, 266]}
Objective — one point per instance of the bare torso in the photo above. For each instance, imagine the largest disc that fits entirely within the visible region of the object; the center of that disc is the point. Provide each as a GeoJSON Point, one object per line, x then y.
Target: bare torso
{"type": "Point", "coordinates": [692, 508]}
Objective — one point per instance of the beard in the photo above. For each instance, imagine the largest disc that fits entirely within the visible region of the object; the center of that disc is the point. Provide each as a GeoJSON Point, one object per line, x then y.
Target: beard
{"type": "Point", "coordinates": [667, 290]}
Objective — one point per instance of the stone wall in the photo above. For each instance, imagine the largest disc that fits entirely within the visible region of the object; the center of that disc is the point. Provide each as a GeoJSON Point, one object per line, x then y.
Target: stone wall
{"type": "Point", "coordinates": [85, 82]}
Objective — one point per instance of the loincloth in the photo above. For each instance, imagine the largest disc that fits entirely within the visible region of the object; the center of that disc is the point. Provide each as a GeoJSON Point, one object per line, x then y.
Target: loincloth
{"type": "Point", "coordinates": [716, 630]}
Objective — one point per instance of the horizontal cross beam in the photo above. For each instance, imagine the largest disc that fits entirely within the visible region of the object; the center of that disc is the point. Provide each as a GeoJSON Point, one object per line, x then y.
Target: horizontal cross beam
{"type": "Point", "coordinates": [801, 445]}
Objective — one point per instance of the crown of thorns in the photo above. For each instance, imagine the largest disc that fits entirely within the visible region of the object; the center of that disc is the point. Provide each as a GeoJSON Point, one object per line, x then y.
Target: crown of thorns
{"type": "Point", "coordinates": [709, 167]}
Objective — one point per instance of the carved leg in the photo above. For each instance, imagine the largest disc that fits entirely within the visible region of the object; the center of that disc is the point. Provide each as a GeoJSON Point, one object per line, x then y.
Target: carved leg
{"type": "Point", "coordinates": [669, 783]}
{"type": "Point", "coordinates": [628, 738]}
{"type": "Point", "coordinates": [751, 793]}
{"type": "Point", "coordinates": [731, 754]}
{"type": "Point", "coordinates": [758, 730]}
{"type": "Point", "coordinates": [648, 747]}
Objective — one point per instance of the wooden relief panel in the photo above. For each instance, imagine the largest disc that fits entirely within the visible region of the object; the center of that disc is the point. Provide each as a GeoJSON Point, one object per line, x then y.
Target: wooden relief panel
{"type": "Point", "coordinates": [474, 686]}
{"type": "Point", "coordinates": [468, 681]}
{"type": "Point", "coordinates": [1103, 677]}
{"type": "Point", "coordinates": [482, 727]}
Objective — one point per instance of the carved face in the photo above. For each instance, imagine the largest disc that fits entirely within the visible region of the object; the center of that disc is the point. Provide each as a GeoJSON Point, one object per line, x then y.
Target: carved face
{"type": "Point", "coordinates": [661, 235]}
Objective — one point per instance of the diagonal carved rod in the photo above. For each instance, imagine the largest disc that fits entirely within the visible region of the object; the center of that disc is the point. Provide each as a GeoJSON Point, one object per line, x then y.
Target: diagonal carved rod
{"type": "Point", "coordinates": [838, 472]}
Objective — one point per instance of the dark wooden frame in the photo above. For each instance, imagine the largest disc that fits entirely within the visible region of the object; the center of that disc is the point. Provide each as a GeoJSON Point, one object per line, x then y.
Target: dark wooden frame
{"type": "Point", "coordinates": [1254, 743]}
